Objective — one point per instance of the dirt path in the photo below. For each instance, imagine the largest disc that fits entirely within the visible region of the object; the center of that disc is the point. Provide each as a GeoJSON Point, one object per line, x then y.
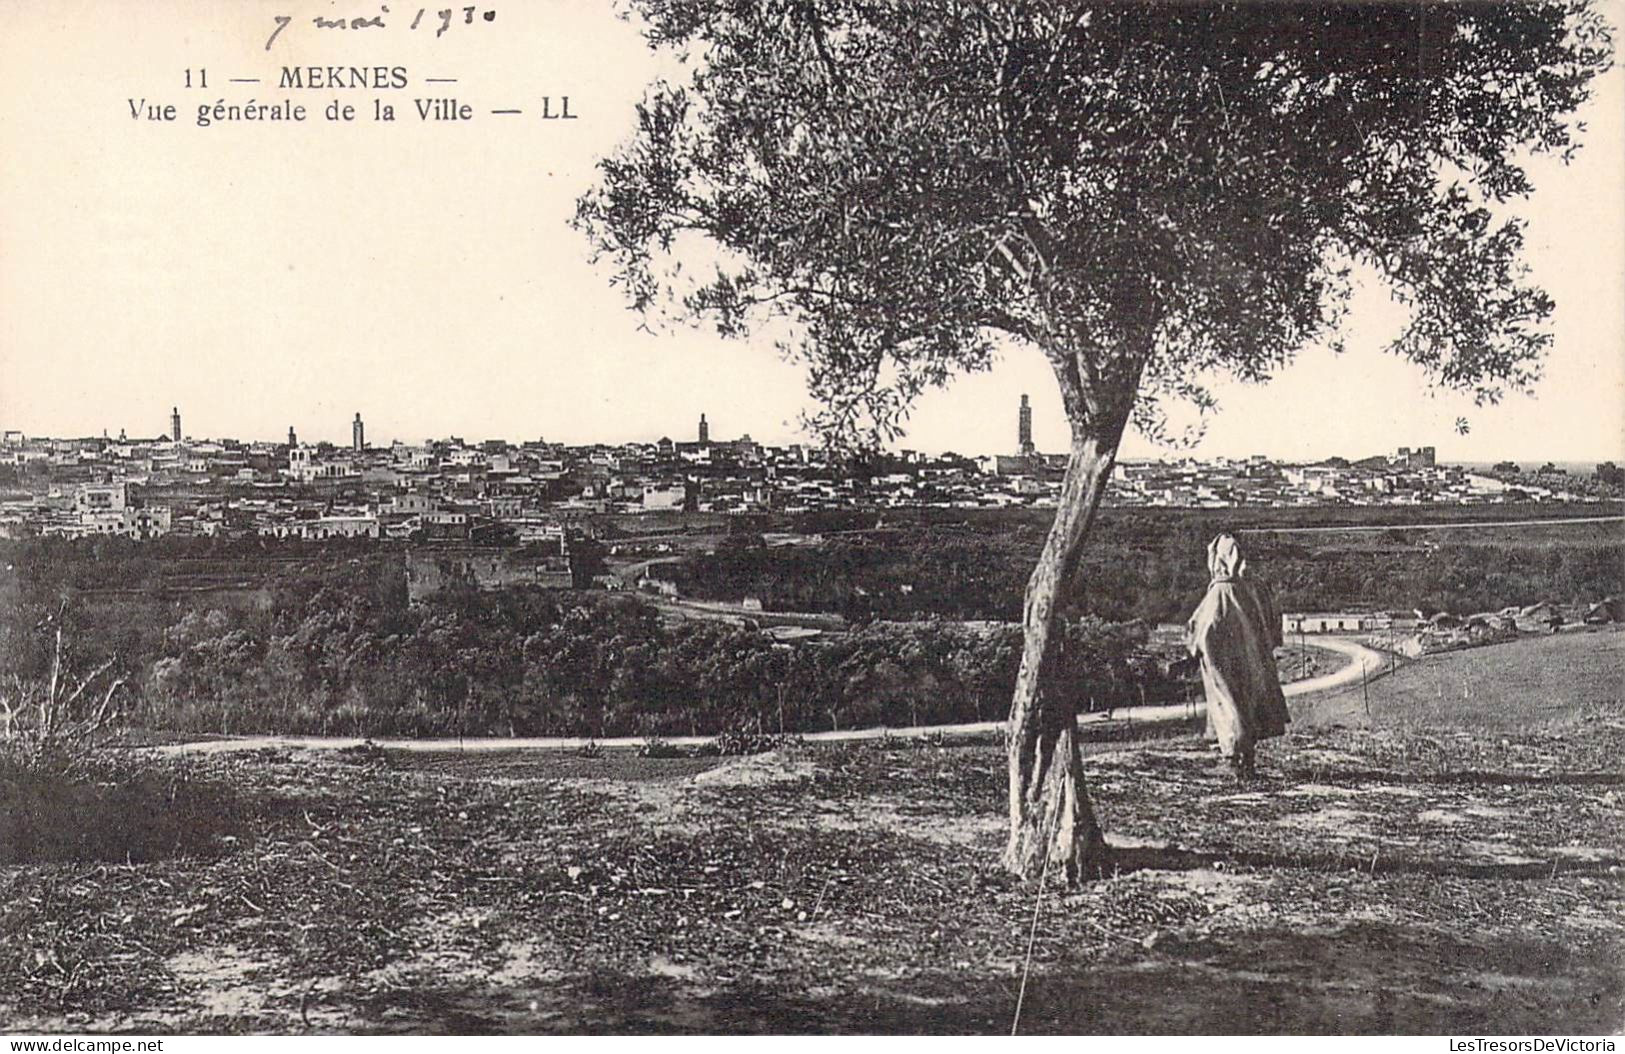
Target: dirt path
{"type": "Point", "coordinates": [1356, 652]}
{"type": "Point", "coordinates": [1361, 660]}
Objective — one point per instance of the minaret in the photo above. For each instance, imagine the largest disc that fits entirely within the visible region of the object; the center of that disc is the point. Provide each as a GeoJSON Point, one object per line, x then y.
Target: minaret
{"type": "Point", "coordinates": [1024, 429]}
{"type": "Point", "coordinates": [358, 434]}
{"type": "Point", "coordinates": [175, 423]}
{"type": "Point", "coordinates": [293, 440]}
{"type": "Point", "coordinates": [705, 430]}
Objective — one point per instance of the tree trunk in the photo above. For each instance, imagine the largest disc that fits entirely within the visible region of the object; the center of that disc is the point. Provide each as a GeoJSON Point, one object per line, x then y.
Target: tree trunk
{"type": "Point", "coordinates": [1051, 823]}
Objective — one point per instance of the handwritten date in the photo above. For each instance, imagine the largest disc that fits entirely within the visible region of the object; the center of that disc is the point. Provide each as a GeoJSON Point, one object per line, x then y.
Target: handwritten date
{"type": "Point", "coordinates": [440, 20]}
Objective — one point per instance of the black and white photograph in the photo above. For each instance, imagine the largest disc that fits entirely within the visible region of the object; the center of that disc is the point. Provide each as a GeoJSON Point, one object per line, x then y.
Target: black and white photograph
{"type": "Point", "coordinates": [644, 518]}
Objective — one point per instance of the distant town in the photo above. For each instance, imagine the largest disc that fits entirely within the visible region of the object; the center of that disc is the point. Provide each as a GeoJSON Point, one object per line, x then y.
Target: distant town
{"type": "Point", "coordinates": [456, 490]}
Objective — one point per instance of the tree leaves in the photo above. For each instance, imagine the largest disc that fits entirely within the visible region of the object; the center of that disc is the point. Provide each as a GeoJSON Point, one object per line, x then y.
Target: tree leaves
{"type": "Point", "coordinates": [1156, 190]}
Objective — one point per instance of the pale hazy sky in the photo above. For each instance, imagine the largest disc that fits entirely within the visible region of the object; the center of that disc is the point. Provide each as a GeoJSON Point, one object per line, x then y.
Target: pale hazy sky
{"type": "Point", "coordinates": [266, 275]}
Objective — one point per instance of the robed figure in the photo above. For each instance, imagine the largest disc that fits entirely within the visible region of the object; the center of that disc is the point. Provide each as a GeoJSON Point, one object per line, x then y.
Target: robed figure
{"type": "Point", "coordinates": [1235, 632]}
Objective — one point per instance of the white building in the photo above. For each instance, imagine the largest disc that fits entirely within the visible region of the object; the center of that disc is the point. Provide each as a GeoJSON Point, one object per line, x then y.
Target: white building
{"type": "Point", "coordinates": [664, 497]}
{"type": "Point", "coordinates": [93, 498]}
{"type": "Point", "coordinates": [1336, 621]}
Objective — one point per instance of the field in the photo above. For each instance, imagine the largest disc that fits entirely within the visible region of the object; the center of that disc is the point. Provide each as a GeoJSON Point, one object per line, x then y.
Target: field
{"type": "Point", "coordinates": [1426, 875]}
{"type": "Point", "coordinates": [1536, 682]}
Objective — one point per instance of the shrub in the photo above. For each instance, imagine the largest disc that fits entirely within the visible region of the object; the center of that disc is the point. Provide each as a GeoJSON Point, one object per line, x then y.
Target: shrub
{"type": "Point", "coordinates": [364, 753]}
{"type": "Point", "coordinates": [105, 804]}
{"type": "Point", "coordinates": [54, 722]}
{"type": "Point", "coordinates": [66, 795]}
{"type": "Point", "coordinates": [656, 747]}
{"type": "Point", "coordinates": [739, 741]}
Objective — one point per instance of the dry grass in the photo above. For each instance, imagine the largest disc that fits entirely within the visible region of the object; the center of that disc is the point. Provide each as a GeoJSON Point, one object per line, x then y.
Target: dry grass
{"type": "Point", "coordinates": [1374, 882]}
{"type": "Point", "coordinates": [1300, 662]}
{"type": "Point", "coordinates": [1535, 682]}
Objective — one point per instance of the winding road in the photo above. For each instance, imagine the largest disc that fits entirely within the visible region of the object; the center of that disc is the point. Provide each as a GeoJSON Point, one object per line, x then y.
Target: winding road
{"type": "Point", "coordinates": [1361, 659]}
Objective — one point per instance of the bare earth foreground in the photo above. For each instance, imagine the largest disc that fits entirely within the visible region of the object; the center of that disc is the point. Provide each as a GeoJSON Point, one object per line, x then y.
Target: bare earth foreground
{"type": "Point", "coordinates": [1446, 869]}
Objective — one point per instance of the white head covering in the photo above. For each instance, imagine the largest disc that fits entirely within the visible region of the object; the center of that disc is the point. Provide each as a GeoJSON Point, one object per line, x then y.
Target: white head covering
{"type": "Point", "coordinates": [1224, 559]}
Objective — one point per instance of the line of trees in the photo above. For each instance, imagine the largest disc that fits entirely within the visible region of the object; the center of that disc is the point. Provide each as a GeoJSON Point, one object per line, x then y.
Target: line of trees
{"type": "Point", "coordinates": [325, 641]}
{"type": "Point", "coordinates": [524, 663]}
{"type": "Point", "coordinates": [340, 651]}
{"type": "Point", "coordinates": [1151, 571]}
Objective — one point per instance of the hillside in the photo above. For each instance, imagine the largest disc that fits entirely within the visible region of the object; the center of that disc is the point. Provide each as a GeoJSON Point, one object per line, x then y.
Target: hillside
{"type": "Point", "coordinates": [1532, 683]}
{"type": "Point", "coordinates": [1376, 881]}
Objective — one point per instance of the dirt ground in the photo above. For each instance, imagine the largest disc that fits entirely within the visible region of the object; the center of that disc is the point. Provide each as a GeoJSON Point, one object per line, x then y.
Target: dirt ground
{"type": "Point", "coordinates": [1372, 882]}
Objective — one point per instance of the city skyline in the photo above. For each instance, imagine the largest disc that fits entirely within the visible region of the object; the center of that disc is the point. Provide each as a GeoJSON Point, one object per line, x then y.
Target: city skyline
{"type": "Point", "coordinates": [700, 435]}
{"type": "Point", "coordinates": [145, 488]}
{"type": "Point", "coordinates": [148, 267]}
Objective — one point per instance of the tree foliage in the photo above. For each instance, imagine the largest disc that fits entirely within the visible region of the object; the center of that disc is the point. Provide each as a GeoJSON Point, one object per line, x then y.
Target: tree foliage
{"type": "Point", "coordinates": [1162, 190]}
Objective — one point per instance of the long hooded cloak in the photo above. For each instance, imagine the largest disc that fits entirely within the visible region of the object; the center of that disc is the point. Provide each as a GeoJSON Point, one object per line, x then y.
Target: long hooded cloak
{"type": "Point", "coordinates": [1236, 630]}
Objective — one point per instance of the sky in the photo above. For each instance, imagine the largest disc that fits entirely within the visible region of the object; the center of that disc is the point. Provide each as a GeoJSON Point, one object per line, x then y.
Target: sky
{"type": "Point", "coordinates": [266, 275]}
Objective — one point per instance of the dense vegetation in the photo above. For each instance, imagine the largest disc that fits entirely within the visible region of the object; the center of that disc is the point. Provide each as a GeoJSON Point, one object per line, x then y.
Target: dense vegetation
{"type": "Point", "coordinates": [339, 650]}
{"type": "Point", "coordinates": [242, 637]}
{"type": "Point", "coordinates": [1150, 566]}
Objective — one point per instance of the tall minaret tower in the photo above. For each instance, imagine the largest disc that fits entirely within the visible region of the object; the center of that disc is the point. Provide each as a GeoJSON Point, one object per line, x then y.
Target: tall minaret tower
{"type": "Point", "coordinates": [175, 423]}
{"type": "Point", "coordinates": [358, 434]}
{"type": "Point", "coordinates": [293, 440]}
{"type": "Point", "coordinates": [705, 430]}
{"type": "Point", "coordinates": [1024, 429]}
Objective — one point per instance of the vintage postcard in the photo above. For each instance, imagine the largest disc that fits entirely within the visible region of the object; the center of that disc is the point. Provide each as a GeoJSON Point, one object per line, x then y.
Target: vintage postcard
{"type": "Point", "coordinates": [720, 517]}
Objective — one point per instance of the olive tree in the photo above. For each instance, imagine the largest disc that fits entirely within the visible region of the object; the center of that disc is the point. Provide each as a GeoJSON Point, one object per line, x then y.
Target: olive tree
{"type": "Point", "coordinates": [1148, 194]}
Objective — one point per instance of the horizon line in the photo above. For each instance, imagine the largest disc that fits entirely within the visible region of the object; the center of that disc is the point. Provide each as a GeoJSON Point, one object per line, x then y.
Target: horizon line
{"type": "Point", "coordinates": [1170, 455]}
